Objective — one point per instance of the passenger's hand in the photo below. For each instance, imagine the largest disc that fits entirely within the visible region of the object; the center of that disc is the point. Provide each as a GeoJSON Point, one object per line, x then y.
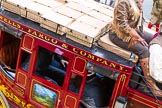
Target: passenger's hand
{"type": "Point", "coordinates": [135, 40]}
{"type": "Point", "coordinates": [135, 37]}
{"type": "Point", "coordinates": [143, 42]}
{"type": "Point", "coordinates": [64, 62]}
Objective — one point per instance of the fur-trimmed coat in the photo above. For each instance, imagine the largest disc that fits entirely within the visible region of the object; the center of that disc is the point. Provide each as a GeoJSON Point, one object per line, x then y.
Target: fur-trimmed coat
{"type": "Point", "coordinates": [123, 20]}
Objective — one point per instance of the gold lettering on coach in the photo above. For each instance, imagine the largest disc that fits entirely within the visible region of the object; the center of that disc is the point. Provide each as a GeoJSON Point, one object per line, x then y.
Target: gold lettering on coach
{"type": "Point", "coordinates": [41, 35]}
{"type": "Point", "coordinates": [75, 50]}
{"type": "Point", "coordinates": [83, 53]}
{"type": "Point", "coordinates": [91, 56]}
{"type": "Point", "coordinates": [54, 41]}
{"type": "Point", "coordinates": [112, 65]}
{"type": "Point", "coordinates": [99, 59]}
{"type": "Point", "coordinates": [104, 62]}
{"type": "Point", "coordinates": [121, 68]}
{"type": "Point", "coordinates": [14, 24]}
{"type": "Point", "coordinates": [65, 46]}
{"type": "Point", "coordinates": [46, 38]}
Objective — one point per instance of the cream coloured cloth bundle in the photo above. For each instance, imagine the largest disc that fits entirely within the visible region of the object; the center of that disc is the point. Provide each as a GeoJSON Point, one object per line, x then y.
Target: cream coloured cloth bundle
{"type": "Point", "coordinates": [155, 62]}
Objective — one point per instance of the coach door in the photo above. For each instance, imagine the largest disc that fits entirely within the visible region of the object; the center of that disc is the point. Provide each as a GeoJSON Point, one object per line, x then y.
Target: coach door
{"type": "Point", "coordinates": [50, 76]}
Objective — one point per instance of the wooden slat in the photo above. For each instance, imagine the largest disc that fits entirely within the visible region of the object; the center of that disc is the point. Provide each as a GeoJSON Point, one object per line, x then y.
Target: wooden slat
{"type": "Point", "coordinates": [105, 11]}
{"type": "Point", "coordinates": [100, 16]}
{"type": "Point", "coordinates": [49, 3]}
{"type": "Point", "coordinates": [87, 3]}
{"type": "Point", "coordinates": [78, 7]}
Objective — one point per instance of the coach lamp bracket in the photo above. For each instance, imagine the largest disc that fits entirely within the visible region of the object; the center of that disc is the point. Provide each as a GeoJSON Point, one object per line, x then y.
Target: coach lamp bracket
{"type": "Point", "coordinates": [121, 102]}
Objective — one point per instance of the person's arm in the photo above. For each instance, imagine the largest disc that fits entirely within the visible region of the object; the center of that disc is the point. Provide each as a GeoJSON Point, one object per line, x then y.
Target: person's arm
{"type": "Point", "coordinates": [122, 17]}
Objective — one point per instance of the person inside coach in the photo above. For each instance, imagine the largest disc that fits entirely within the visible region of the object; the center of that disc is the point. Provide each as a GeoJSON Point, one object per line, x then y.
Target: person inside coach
{"type": "Point", "coordinates": [126, 31]}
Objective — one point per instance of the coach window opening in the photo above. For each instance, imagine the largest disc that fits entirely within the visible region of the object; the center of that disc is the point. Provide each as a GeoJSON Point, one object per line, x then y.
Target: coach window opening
{"type": "Point", "coordinates": [51, 66]}
{"type": "Point", "coordinates": [75, 83]}
{"type": "Point", "coordinates": [25, 58]}
{"type": "Point", "coordinates": [98, 87]}
{"type": "Point", "coordinates": [137, 82]}
{"type": "Point", "coordinates": [9, 53]}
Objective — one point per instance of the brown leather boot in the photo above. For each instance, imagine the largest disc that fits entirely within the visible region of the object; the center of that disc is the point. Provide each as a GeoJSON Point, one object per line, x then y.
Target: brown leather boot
{"type": "Point", "coordinates": [151, 83]}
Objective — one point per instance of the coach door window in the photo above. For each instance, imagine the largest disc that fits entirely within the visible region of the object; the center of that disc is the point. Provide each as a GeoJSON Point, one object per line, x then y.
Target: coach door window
{"type": "Point", "coordinates": [99, 86]}
{"type": "Point", "coordinates": [51, 66]}
{"type": "Point", "coordinates": [75, 83]}
{"type": "Point", "coordinates": [9, 48]}
{"type": "Point", "coordinates": [25, 57]}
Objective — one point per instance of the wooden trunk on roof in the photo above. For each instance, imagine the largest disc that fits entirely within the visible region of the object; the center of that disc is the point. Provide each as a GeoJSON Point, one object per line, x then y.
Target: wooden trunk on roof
{"type": "Point", "coordinates": [82, 33]}
{"type": "Point", "coordinates": [96, 23]}
{"type": "Point", "coordinates": [11, 5]}
{"type": "Point", "coordinates": [36, 10]}
{"type": "Point", "coordinates": [55, 22]}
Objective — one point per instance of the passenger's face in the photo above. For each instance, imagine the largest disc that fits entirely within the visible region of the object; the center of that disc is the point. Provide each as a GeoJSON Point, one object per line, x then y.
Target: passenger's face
{"type": "Point", "coordinates": [140, 3]}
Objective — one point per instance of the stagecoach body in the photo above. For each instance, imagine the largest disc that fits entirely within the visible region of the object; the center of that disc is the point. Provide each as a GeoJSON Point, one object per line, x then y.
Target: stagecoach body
{"type": "Point", "coordinates": [30, 79]}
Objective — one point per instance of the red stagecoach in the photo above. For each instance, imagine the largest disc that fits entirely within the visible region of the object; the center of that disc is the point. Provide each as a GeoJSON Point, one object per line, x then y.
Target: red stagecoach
{"type": "Point", "coordinates": [51, 65]}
